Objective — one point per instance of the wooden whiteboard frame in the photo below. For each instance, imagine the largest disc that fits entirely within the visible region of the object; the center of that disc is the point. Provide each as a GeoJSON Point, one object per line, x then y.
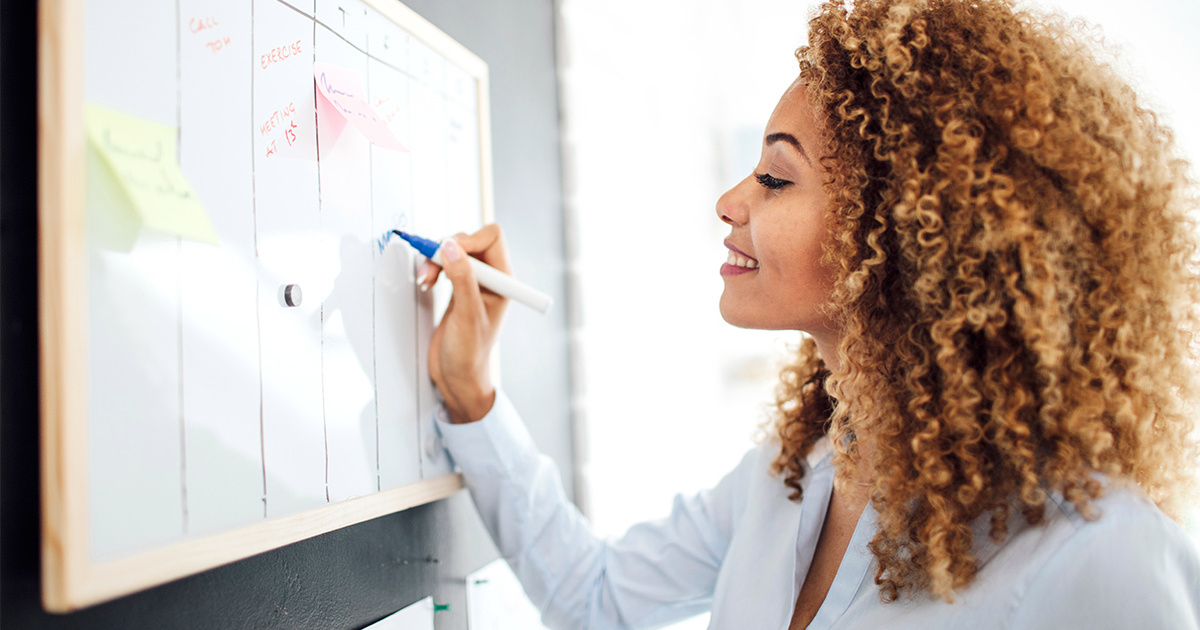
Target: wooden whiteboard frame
{"type": "Point", "coordinates": [70, 580]}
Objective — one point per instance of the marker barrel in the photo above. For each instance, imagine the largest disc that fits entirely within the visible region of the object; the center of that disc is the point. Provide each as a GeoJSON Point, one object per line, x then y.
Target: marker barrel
{"type": "Point", "coordinates": [499, 282]}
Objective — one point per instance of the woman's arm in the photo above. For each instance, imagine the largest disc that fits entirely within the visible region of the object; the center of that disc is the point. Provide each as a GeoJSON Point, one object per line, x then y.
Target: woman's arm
{"type": "Point", "coordinates": [658, 571]}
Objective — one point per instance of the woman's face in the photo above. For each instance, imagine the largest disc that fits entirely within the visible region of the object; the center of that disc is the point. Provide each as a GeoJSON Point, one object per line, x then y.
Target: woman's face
{"type": "Point", "coordinates": [774, 278]}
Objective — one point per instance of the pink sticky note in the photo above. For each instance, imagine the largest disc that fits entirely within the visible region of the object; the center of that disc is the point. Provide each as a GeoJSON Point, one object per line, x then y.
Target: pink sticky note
{"type": "Point", "coordinates": [342, 88]}
{"type": "Point", "coordinates": [330, 124]}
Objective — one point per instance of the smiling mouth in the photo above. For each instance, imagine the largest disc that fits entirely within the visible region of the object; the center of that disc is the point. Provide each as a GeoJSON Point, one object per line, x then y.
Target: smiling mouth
{"type": "Point", "coordinates": [738, 263]}
{"type": "Point", "coordinates": [739, 260]}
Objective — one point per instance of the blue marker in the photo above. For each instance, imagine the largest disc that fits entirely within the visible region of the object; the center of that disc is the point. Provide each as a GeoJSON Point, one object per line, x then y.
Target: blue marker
{"type": "Point", "coordinates": [489, 277]}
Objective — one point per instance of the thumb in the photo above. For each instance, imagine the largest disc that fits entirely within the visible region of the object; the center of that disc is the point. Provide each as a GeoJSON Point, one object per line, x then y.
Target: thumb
{"type": "Point", "coordinates": [457, 268]}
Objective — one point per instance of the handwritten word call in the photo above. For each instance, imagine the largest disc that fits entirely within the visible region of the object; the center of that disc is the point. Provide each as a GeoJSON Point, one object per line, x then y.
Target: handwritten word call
{"type": "Point", "coordinates": [199, 25]}
{"type": "Point", "coordinates": [276, 55]}
{"type": "Point", "coordinates": [195, 25]}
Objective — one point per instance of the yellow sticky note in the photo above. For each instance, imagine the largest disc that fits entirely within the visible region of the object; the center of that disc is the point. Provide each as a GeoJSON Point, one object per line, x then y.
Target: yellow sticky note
{"type": "Point", "coordinates": [142, 156]}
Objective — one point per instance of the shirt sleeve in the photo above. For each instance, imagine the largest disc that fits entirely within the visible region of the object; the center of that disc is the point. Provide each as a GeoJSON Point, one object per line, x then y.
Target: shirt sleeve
{"type": "Point", "coordinates": [658, 571]}
{"type": "Point", "coordinates": [1130, 569]}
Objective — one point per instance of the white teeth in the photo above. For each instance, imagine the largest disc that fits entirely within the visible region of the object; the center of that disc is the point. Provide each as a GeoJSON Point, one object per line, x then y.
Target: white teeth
{"type": "Point", "coordinates": [741, 261]}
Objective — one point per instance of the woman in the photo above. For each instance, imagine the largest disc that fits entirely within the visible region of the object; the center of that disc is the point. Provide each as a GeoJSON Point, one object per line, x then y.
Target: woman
{"type": "Point", "coordinates": [984, 236]}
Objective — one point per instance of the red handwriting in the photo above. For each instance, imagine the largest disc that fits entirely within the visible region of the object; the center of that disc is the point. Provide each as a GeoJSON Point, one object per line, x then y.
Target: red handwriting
{"type": "Point", "coordinates": [289, 134]}
{"type": "Point", "coordinates": [278, 116]}
{"type": "Point", "coordinates": [195, 25]}
{"type": "Point", "coordinates": [389, 112]}
{"type": "Point", "coordinates": [218, 44]}
{"type": "Point", "coordinates": [279, 54]}
{"type": "Point", "coordinates": [282, 118]}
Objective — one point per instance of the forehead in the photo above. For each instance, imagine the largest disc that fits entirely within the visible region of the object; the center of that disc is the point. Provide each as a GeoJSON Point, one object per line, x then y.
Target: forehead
{"type": "Point", "coordinates": [795, 115]}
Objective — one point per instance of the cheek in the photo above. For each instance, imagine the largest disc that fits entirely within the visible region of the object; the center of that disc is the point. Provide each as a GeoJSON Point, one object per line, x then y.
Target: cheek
{"type": "Point", "coordinates": [791, 250]}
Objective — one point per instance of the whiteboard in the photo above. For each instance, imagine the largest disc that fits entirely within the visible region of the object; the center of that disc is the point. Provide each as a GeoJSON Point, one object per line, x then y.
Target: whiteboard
{"type": "Point", "coordinates": [194, 416]}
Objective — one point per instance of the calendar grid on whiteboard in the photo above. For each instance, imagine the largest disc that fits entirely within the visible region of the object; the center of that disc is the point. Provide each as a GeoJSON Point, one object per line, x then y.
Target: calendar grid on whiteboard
{"type": "Point", "coordinates": [352, 339]}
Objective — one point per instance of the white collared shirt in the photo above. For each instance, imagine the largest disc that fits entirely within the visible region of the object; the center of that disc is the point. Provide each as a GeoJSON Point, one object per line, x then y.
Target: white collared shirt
{"type": "Point", "coordinates": [742, 550]}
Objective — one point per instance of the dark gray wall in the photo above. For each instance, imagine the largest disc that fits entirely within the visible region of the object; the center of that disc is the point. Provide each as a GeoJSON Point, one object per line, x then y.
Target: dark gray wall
{"type": "Point", "coordinates": [354, 576]}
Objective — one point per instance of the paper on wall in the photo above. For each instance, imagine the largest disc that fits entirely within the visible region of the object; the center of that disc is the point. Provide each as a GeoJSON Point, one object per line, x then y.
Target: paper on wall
{"type": "Point", "coordinates": [142, 156]}
{"type": "Point", "coordinates": [496, 601]}
{"type": "Point", "coordinates": [418, 616]}
{"type": "Point", "coordinates": [343, 100]}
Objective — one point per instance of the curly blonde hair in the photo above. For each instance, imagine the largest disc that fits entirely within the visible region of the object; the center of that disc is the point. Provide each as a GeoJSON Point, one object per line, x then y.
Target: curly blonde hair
{"type": "Point", "coordinates": [1016, 278]}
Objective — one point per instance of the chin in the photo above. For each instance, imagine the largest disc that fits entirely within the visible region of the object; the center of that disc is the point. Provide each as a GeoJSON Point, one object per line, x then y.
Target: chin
{"type": "Point", "coordinates": [737, 317]}
{"type": "Point", "coordinates": [765, 317]}
{"type": "Point", "coordinates": [728, 313]}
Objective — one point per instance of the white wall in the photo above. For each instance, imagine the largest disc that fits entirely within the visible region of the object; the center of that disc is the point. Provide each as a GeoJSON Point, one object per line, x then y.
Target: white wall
{"type": "Point", "coordinates": [663, 107]}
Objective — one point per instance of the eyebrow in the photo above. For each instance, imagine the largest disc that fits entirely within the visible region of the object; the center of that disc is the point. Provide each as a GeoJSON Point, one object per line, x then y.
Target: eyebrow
{"type": "Point", "coordinates": [790, 139]}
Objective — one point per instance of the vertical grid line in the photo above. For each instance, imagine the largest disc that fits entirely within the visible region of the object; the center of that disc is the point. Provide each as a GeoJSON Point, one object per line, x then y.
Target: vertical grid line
{"type": "Point", "coordinates": [262, 441]}
{"type": "Point", "coordinates": [320, 217]}
{"type": "Point", "coordinates": [179, 272]}
{"type": "Point", "coordinates": [412, 201]}
{"type": "Point", "coordinates": [375, 267]}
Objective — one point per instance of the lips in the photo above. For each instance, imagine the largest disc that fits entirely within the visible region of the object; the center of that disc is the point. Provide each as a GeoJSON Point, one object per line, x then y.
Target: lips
{"type": "Point", "coordinates": [734, 270]}
{"type": "Point", "coordinates": [738, 262]}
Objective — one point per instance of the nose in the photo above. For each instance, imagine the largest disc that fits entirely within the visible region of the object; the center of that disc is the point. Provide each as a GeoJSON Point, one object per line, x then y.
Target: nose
{"type": "Point", "coordinates": [732, 207]}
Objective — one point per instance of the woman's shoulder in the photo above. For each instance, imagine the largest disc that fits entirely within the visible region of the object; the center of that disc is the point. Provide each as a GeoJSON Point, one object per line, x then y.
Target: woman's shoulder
{"type": "Point", "coordinates": [767, 451]}
{"type": "Point", "coordinates": [1123, 519]}
{"type": "Point", "coordinates": [1125, 565]}
{"type": "Point", "coordinates": [758, 465]}
{"type": "Point", "coordinates": [755, 484]}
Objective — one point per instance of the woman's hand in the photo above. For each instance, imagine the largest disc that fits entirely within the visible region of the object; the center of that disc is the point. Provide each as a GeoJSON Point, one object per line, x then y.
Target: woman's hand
{"type": "Point", "coordinates": [462, 344]}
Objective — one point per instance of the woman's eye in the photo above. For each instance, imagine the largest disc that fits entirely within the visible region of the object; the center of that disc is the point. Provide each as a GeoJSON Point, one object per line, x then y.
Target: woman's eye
{"type": "Point", "coordinates": [770, 182]}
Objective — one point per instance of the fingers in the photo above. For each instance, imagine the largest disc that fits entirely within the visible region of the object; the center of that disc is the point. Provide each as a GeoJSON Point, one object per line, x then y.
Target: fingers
{"type": "Point", "coordinates": [427, 275]}
{"type": "Point", "coordinates": [462, 342]}
{"type": "Point", "coordinates": [467, 298]}
{"type": "Point", "coordinates": [489, 241]}
{"type": "Point", "coordinates": [435, 356]}
{"type": "Point", "coordinates": [488, 245]}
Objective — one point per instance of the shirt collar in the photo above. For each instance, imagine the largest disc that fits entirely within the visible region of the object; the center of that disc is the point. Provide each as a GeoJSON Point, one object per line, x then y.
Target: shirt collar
{"type": "Point", "coordinates": [820, 453]}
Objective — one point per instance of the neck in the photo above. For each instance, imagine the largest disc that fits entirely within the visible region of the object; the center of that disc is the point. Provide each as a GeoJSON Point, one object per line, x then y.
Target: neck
{"type": "Point", "coordinates": [827, 346]}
